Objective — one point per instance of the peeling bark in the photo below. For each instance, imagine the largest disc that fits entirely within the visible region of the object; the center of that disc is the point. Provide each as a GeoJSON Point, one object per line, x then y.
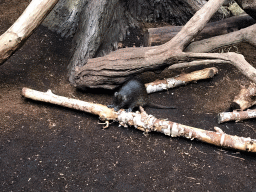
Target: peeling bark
{"type": "Point", "coordinates": [147, 123]}
{"type": "Point", "coordinates": [183, 79]}
{"type": "Point", "coordinates": [236, 116]}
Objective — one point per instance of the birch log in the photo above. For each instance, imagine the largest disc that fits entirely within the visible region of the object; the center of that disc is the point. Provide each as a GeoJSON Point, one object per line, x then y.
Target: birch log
{"type": "Point", "coordinates": [236, 116]}
{"type": "Point", "coordinates": [147, 123]}
{"type": "Point", "coordinates": [183, 79]}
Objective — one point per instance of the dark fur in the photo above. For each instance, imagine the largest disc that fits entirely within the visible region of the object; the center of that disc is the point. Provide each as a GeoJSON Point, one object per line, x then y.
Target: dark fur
{"type": "Point", "coordinates": [131, 95]}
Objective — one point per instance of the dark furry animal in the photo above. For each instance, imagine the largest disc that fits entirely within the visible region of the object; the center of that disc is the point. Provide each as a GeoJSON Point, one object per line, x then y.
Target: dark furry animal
{"type": "Point", "coordinates": [131, 95]}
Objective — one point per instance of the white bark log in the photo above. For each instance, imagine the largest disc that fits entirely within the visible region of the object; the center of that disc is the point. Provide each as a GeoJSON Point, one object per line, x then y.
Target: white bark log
{"type": "Point", "coordinates": [236, 116]}
{"type": "Point", "coordinates": [183, 79]}
{"type": "Point", "coordinates": [147, 123]}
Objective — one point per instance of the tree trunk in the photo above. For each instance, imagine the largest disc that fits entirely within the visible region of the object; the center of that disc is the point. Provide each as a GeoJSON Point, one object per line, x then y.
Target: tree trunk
{"type": "Point", "coordinates": [98, 26]}
{"type": "Point", "coordinates": [113, 69]}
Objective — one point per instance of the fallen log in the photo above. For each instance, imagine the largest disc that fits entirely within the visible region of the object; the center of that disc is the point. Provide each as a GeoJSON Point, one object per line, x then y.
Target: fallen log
{"type": "Point", "coordinates": [245, 99]}
{"type": "Point", "coordinates": [145, 122]}
{"type": "Point", "coordinates": [236, 116]}
{"type": "Point", "coordinates": [183, 79]}
{"type": "Point", "coordinates": [115, 68]}
{"type": "Point", "coordinates": [15, 36]}
{"type": "Point", "coordinates": [207, 45]}
{"type": "Point", "coordinates": [161, 35]}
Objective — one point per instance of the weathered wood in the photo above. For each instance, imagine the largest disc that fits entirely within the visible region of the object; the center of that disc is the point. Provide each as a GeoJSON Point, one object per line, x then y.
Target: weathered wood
{"type": "Point", "coordinates": [245, 99]}
{"type": "Point", "coordinates": [15, 36]}
{"type": "Point", "coordinates": [145, 122]}
{"type": "Point", "coordinates": [112, 70]}
{"type": "Point", "coordinates": [158, 36]}
{"type": "Point", "coordinates": [236, 116]}
{"type": "Point", "coordinates": [97, 37]}
{"type": "Point", "coordinates": [206, 45]}
{"type": "Point", "coordinates": [182, 79]}
{"type": "Point", "coordinates": [248, 6]}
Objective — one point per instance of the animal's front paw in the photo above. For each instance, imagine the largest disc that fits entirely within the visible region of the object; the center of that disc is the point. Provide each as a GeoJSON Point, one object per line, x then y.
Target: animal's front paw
{"type": "Point", "coordinates": [116, 108]}
{"type": "Point", "coordinates": [128, 110]}
{"type": "Point", "coordinates": [110, 106]}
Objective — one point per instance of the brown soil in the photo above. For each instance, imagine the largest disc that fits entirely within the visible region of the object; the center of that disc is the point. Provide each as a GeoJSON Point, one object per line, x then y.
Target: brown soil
{"type": "Point", "coordinates": [50, 148]}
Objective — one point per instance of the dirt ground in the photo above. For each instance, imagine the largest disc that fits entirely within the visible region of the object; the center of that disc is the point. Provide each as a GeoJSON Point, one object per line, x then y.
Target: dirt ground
{"type": "Point", "coordinates": [44, 147]}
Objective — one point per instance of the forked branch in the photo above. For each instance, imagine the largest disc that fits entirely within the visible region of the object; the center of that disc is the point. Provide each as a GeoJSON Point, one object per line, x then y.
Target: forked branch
{"type": "Point", "coordinates": [112, 70]}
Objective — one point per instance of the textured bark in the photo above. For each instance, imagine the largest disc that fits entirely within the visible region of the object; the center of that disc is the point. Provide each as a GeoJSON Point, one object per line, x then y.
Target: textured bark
{"type": "Point", "coordinates": [244, 35]}
{"type": "Point", "coordinates": [158, 36]}
{"type": "Point", "coordinates": [183, 79]}
{"type": "Point", "coordinates": [104, 25]}
{"type": "Point", "coordinates": [98, 26]}
{"type": "Point", "coordinates": [64, 18]}
{"type": "Point", "coordinates": [113, 69]}
{"type": "Point", "coordinates": [145, 122]}
{"type": "Point", "coordinates": [249, 6]}
{"type": "Point", "coordinates": [236, 116]}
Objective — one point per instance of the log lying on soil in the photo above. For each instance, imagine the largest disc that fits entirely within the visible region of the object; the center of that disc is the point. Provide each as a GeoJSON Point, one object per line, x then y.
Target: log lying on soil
{"type": "Point", "coordinates": [160, 85]}
{"type": "Point", "coordinates": [236, 116]}
{"type": "Point", "coordinates": [158, 36]}
{"type": "Point", "coordinates": [206, 45]}
{"type": "Point", "coordinates": [114, 69]}
{"type": "Point", "coordinates": [147, 123]}
{"type": "Point", "coordinates": [15, 36]}
{"type": "Point", "coordinates": [245, 99]}
{"type": "Point", "coordinates": [103, 111]}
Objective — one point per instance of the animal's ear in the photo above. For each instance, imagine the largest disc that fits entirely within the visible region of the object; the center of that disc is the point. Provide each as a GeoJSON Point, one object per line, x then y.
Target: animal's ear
{"type": "Point", "coordinates": [116, 94]}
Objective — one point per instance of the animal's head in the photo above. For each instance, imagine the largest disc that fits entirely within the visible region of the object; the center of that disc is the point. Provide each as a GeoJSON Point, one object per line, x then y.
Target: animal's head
{"type": "Point", "coordinates": [119, 97]}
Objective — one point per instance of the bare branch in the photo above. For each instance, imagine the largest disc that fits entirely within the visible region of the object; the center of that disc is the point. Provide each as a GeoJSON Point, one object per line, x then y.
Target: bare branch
{"type": "Point", "coordinates": [196, 63]}
{"type": "Point", "coordinates": [207, 45]}
{"type": "Point", "coordinates": [234, 58]}
{"type": "Point", "coordinates": [13, 38]}
{"type": "Point", "coordinates": [112, 70]}
{"type": "Point", "coordinates": [147, 123]}
{"type": "Point", "coordinates": [160, 35]}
